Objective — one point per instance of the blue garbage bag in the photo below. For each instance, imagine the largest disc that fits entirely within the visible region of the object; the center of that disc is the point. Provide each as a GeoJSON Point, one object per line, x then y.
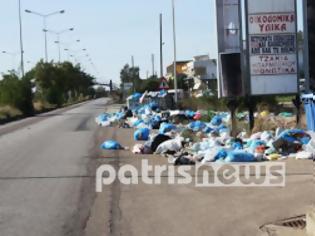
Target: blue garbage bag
{"type": "Point", "coordinates": [137, 123]}
{"type": "Point", "coordinates": [216, 120]}
{"type": "Point", "coordinates": [136, 96]}
{"type": "Point", "coordinates": [295, 135]}
{"type": "Point", "coordinates": [190, 114]}
{"type": "Point", "coordinates": [142, 134]}
{"type": "Point", "coordinates": [111, 145]}
{"type": "Point", "coordinates": [197, 126]}
{"type": "Point", "coordinates": [207, 130]}
{"type": "Point", "coordinates": [237, 144]}
{"type": "Point", "coordinates": [103, 117]}
{"type": "Point", "coordinates": [166, 127]}
{"type": "Point", "coordinates": [221, 155]}
{"type": "Point", "coordinates": [153, 106]}
{"type": "Point", "coordinates": [239, 156]}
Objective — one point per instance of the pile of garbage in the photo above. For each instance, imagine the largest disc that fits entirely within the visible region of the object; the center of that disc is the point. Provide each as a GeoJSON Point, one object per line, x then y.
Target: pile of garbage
{"type": "Point", "coordinates": [185, 138]}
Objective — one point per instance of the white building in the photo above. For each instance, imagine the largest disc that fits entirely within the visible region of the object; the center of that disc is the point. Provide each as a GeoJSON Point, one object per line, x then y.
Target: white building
{"type": "Point", "coordinates": [202, 67]}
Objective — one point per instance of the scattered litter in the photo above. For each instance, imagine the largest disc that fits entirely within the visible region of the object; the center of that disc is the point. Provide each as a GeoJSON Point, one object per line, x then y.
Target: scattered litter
{"type": "Point", "coordinates": [203, 136]}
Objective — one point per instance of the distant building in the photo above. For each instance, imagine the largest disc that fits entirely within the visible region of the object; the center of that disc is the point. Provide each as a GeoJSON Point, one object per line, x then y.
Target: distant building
{"type": "Point", "coordinates": [181, 68]}
{"type": "Point", "coordinates": [202, 67]}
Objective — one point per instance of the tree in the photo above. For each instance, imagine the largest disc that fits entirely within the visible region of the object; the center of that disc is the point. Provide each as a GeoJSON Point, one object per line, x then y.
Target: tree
{"type": "Point", "coordinates": [131, 75]}
{"type": "Point", "coordinates": [16, 93]}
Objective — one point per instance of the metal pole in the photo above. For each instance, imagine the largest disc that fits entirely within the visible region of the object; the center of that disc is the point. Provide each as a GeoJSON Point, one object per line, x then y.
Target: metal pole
{"type": "Point", "coordinates": [306, 47]}
{"type": "Point", "coordinates": [21, 40]}
{"type": "Point", "coordinates": [174, 37]}
{"type": "Point", "coordinates": [132, 61]}
{"type": "Point", "coordinates": [161, 45]}
{"type": "Point", "coordinates": [59, 49]}
{"type": "Point", "coordinates": [45, 35]}
{"type": "Point", "coordinates": [153, 69]}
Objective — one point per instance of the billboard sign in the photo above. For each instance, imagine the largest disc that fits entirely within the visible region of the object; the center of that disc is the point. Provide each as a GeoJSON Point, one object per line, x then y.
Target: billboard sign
{"type": "Point", "coordinates": [272, 46]}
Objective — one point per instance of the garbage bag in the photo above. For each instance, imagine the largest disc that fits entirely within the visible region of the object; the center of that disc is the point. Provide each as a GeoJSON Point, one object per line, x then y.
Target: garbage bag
{"type": "Point", "coordinates": [240, 156]}
{"type": "Point", "coordinates": [214, 154]}
{"type": "Point", "coordinates": [304, 155]}
{"type": "Point", "coordinates": [173, 145]}
{"type": "Point", "coordinates": [153, 106]}
{"type": "Point", "coordinates": [157, 140]}
{"type": "Point", "coordinates": [137, 123]}
{"type": "Point", "coordinates": [216, 120]}
{"type": "Point", "coordinates": [183, 160]}
{"type": "Point", "coordinates": [136, 96]}
{"type": "Point", "coordinates": [207, 130]}
{"type": "Point", "coordinates": [190, 114]}
{"type": "Point", "coordinates": [291, 141]}
{"type": "Point", "coordinates": [166, 127]}
{"type": "Point", "coordinates": [237, 144]}
{"type": "Point", "coordinates": [141, 134]}
{"type": "Point", "coordinates": [111, 145]}
{"type": "Point", "coordinates": [197, 116]}
{"type": "Point", "coordinates": [197, 126]}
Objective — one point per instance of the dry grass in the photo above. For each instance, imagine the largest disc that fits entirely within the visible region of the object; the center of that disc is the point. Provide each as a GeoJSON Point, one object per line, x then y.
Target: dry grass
{"type": "Point", "coordinates": [7, 112]}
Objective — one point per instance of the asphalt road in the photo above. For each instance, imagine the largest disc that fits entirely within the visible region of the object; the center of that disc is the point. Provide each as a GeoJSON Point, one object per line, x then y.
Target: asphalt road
{"type": "Point", "coordinates": [45, 179]}
{"type": "Point", "coordinates": [47, 186]}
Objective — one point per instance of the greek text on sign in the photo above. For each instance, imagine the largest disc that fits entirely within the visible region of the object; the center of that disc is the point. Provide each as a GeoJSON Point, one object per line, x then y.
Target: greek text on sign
{"type": "Point", "coordinates": [272, 44]}
{"type": "Point", "coordinates": [272, 23]}
{"type": "Point", "coordinates": [273, 64]}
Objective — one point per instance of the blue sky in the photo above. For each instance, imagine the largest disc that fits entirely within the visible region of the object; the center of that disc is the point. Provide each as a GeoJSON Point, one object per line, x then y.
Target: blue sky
{"type": "Point", "coordinates": [111, 31]}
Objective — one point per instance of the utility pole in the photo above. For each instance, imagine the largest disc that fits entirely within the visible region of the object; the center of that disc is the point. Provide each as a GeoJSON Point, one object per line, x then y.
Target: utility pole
{"type": "Point", "coordinates": [161, 45]}
{"type": "Point", "coordinates": [175, 64]}
{"type": "Point", "coordinates": [132, 61]}
{"type": "Point", "coordinates": [306, 47]}
{"type": "Point", "coordinates": [153, 69]}
{"type": "Point", "coordinates": [21, 40]}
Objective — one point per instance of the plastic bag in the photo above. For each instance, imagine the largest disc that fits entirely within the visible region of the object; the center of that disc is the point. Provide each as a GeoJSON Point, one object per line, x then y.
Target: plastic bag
{"type": "Point", "coordinates": [240, 156]}
{"type": "Point", "coordinates": [111, 145]}
{"type": "Point", "coordinates": [173, 145]}
{"type": "Point", "coordinates": [142, 134]}
{"type": "Point", "coordinates": [166, 127]}
{"type": "Point", "coordinates": [216, 120]}
{"type": "Point", "coordinates": [197, 126]}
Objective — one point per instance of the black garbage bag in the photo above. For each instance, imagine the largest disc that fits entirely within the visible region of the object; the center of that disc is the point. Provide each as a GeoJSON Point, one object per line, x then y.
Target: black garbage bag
{"type": "Point", "coordinates": [160, 138]}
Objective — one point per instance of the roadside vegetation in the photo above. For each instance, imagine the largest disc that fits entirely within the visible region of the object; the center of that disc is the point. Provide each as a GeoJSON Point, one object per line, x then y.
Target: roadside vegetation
{"type": "Point", "coordinates": [46, 86]}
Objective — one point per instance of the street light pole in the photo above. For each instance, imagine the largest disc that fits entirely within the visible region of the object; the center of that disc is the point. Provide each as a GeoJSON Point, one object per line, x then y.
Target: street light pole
{"type": "Point", "coordinates": [175, 64]}
{"type": "Point", "coordinates": [161, 45]}
{"type": "Point", "coordinates": [58, 34]}
{"type": "Point", "coordinates": [21, 40]}
{"type": "Point", "coordinates": [44, 17]}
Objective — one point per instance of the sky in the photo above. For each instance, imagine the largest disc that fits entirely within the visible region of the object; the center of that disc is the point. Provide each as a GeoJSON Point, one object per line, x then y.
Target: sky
{"type": "Point", "coordinates": [111, 31]}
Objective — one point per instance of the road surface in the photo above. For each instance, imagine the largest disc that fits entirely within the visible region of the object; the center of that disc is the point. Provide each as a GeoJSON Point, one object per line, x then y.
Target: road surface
{"type": "Point", "coordinates": [47, 183]}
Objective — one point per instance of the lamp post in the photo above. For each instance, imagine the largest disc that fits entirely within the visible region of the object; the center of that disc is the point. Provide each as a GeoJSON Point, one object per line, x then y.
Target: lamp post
{"type": "Point", "coordinates": [175, 64]}
{"type": "Point", "coordinates": [44, 17]}
{"type": "Point", "coordinates": [21, 39]}
{"type": "Point", "coordinates": [58, 34]}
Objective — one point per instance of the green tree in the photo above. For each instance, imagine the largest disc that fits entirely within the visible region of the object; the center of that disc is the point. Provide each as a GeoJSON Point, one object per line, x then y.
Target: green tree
{"type": "Point", "coordinates": [17, 93]}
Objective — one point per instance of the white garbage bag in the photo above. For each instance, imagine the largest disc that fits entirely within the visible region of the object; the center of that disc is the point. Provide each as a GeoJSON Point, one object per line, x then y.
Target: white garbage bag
{"type": "Point", "coordinates": [174, 145]}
